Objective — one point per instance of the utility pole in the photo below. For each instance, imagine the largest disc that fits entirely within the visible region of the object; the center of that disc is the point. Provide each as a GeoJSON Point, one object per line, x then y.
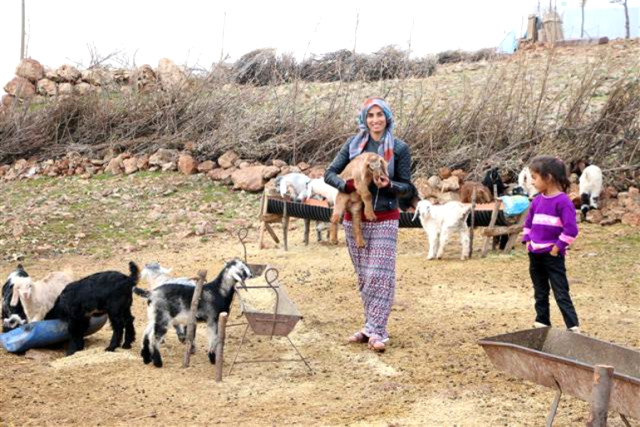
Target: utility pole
{"type": "Point", "coordinates": [355, 35]}
{"type": "Point", "coordinates": [22, 35]}
{"type": "Point", "coordinates": [224, 25]}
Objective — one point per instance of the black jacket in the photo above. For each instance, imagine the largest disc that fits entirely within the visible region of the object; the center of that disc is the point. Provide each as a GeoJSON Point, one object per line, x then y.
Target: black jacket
{"type": "Point", "coordinates": [387, 198]}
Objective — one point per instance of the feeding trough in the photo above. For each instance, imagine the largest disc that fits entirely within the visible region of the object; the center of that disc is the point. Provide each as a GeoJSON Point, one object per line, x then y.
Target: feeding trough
{"type": "Point", "coordinates": [276, 316]}
{"type": "Point", "coordinates": [43, 333]}
{"type": "Point", "coordinates": [565, 361]}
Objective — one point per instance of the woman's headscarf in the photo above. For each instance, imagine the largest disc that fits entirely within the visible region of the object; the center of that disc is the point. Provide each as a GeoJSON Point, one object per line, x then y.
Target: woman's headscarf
{"type": "Point", "coordinates": [360, 140]}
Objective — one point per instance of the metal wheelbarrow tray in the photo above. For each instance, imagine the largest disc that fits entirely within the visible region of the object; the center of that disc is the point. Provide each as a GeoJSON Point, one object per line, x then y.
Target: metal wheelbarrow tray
{"type": "Point", "coordinates": [565, 361]}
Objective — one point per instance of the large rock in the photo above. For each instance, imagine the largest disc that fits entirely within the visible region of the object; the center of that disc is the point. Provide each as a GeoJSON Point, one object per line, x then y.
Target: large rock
{"type": "Point", "coordinates": [595, 216]}
{"type": "Point", "coordinates": [50, 74]}
{"type": "Point", "coordinates": [68, 73]}
{"type": "Point", "coordinates": [270, 171]}
{"type": "Point", "coordinates": [145, 78]}
{"type": "Point", "coordinates": [170, 76]}
{"type": "Point", "coordinates": [315, 172]}
{"type": "Point", "coordinates": [7, 100]}
{"type": "Point", "coordinates": [163, 156]}
{"type": "Point", "coordinates": [83, 88]}
{"type": "Point", "coordinates": [249, 179]}
{"type": "Point", "coordinates": [631, 218]}
{"type": "Point", "coordinates": [303, 166]}
{"type": "Point", "coordinates": [21, 88]}
{"type": "Point", "coordinates": [47, 87]}
{"type": "Point", "coordinates": [30, 69]}
{"type": "Point", "coordinates": [279, 163]}
{"type": "Point", "coordinates": [425, 190]}
{"type": "Point", "coordinates": [228, 159]}
{"type": "Point", "coordinates": [142, 162]}
{"type": "Point", "coordinates": [115, 166]}
{"type": "Point", "coordinates": [65, 89]}
{"type": "Point", "coordinates": [130, 165]}
{"type": "Point", "coordinates": [121, 75]}
{"type": "Point", "coordinates": [450, 184]}
{"type": "Point", "coordinates": [97, 77]}
{"type": "Point", "coordinates": [206, 166]}
{"type": "Point", "coordinates": [222, 175]}
{"type": "Point", "coordinates": [434, 181]}
{"type": "Point", "coordinates": [187, 164]}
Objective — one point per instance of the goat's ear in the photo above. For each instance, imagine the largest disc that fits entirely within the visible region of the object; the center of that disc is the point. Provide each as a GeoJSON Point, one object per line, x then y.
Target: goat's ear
{"type": "Point", "coordinates": [385, 167]}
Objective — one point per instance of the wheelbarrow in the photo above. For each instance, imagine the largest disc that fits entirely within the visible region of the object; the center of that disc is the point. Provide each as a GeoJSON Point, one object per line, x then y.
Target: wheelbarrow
{"type": "Point", "coordinates": [565, 361]}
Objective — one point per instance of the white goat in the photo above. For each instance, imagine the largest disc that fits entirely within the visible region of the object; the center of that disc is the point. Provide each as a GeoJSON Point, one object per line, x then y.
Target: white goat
{"type": "Point", "coordinates": [157, 275]}
{"type": "Point", "coordinates": [439, 221]}
{"type": "Point", "coordinates": [525, 180]}
{"type": "Point", "coordinates": [590, 188]}
{"type": "Point", "coordinates": [318, 189]}
{"type": "Point", "coordinates": [293, 185]}
{"type": "Point", "coordinates": [38, 297]}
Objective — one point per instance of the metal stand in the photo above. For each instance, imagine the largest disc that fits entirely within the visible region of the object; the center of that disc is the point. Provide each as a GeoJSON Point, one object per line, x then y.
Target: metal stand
{"type": "Point", "coordinates": [272, 324]}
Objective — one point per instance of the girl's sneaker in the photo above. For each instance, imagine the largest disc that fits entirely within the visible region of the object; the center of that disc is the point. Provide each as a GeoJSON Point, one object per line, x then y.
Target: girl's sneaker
{"type": "Point", "coordinates": [540, 325]}
{"type": "Point", "coordinates": [575, 329]}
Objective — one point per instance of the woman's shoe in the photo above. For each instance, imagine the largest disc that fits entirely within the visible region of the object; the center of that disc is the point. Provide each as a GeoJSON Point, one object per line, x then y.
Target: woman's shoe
{"type": "Point", "coordinates": [358, 338]}
{"type": "Point", "coordinates": [376, 344]}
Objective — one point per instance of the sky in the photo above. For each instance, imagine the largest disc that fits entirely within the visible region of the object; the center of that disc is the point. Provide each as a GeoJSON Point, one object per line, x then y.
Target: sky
{"type": "Point", "coordinates": [190, 32]}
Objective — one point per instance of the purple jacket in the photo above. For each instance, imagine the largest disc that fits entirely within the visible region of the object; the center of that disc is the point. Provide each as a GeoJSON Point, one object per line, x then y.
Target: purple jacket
{"type": "Point", "coordinates": [551, 221]}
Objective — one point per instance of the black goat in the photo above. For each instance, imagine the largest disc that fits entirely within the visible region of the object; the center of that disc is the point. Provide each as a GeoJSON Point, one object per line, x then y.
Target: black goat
{"type": "Point", "coordinates": [493, 177]}
{"type": "Point", "coordinates": [12, 316]}
{"type": "Point", "coordinates": [170, 304]}
{"type": "Point", "coordinates": [105, 292]}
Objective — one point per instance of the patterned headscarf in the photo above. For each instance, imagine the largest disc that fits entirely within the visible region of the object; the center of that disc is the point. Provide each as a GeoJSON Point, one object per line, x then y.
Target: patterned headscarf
{"type": "Point", "coordinates": [360, 140]}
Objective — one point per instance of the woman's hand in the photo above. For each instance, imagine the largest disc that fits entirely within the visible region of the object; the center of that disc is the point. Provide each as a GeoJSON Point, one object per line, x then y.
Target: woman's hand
{"type": "Point", "coordinates": [382, 181]}
{"type": "Point", "coordinates": [554, 251]}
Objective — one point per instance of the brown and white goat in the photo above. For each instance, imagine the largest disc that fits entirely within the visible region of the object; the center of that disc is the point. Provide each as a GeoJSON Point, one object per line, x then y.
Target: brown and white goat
{"type": "Point", "coordinates": [363, 169]}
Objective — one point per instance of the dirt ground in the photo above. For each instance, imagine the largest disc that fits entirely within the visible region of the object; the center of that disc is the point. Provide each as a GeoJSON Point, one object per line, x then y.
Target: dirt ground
{"type": "Point", "coordinates": [433, 373]}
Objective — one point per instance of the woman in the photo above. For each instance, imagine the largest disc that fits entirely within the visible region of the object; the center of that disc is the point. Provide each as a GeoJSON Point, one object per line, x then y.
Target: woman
{"type": "Point", "coordinates": [375, 264]}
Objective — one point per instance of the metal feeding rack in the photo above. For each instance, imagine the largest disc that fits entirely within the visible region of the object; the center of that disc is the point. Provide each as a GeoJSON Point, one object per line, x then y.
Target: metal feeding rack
{"type": "Point", "coordinates": [277, 323]}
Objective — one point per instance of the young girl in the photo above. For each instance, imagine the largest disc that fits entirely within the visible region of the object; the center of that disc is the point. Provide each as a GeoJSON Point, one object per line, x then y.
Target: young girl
{"type": "Point", "coordinates": [550, 228]}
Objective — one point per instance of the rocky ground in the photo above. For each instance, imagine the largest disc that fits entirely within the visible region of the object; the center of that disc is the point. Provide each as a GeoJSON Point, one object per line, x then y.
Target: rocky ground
{"type": "Point", "coordinates": [433, 373]}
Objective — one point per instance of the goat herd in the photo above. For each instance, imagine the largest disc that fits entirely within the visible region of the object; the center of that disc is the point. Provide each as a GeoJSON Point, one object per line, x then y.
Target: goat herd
{"type": "Point", "coordinates": [58, 296]}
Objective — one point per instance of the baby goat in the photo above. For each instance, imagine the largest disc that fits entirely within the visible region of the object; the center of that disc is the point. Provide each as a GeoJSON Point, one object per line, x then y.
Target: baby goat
{"type": "Point", "coordinates": [590, 188]}
{"type": "Point", "coordinates": [525, 181]}
{"type": "Point", "coordinates": [171, 304]}
{"type": "Point", "coordinates": [38, 297]}
{"type": "Point", "coordinates": [12, 317]}
{"type": "Point", "coordinates": [439, 221]}
{"type": "Point", "coordinates": [157, 275]}
{"type": "Point", "coordinates": [293, 185]}
{"type": "Point", "coordinates": [105, 292]}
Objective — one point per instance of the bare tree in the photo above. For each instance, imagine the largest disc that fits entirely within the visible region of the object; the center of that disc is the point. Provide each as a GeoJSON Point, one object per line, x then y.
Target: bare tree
{"type": "Point", "coordinates": [582, 5]}
{"type": "Point", "coordinates": [626, 15]}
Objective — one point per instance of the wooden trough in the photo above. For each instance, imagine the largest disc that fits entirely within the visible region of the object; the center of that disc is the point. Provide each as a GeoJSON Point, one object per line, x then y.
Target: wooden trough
{"type": "Point", "coordinates": [565, 361]}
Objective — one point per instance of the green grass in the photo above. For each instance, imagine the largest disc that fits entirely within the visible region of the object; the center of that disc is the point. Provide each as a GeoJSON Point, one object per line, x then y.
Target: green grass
{"type": "Point", "coordinates": [79, 207]}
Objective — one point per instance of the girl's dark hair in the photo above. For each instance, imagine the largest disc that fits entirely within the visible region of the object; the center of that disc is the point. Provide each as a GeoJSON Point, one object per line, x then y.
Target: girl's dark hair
{"type": "Point", "coordinates": [549, 167]}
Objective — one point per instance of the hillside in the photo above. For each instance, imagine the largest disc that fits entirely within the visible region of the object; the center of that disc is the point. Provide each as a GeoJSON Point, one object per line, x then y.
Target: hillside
{"type": "Point", "coordinates": [574, 102]}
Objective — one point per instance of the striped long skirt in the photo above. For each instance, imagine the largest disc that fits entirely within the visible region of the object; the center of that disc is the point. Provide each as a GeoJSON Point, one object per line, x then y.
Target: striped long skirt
{"type": "Point", "coordinates": [375, 265]}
